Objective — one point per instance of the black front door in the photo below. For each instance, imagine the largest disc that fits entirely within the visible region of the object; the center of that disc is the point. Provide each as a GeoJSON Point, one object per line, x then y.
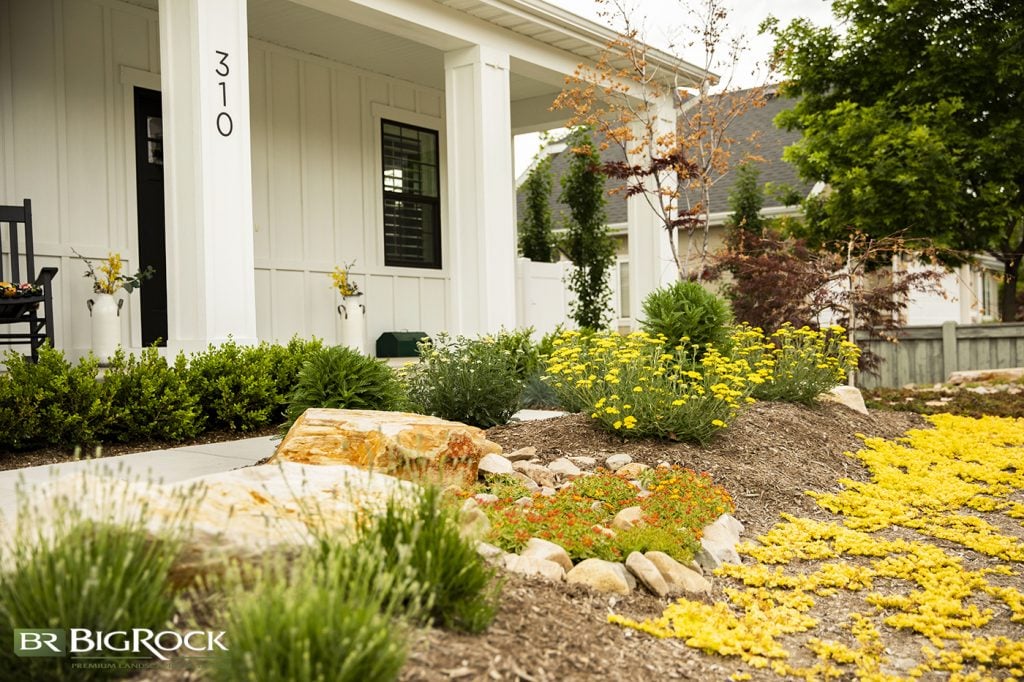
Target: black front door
{"type": "Point", "coordinates": [149, 190]}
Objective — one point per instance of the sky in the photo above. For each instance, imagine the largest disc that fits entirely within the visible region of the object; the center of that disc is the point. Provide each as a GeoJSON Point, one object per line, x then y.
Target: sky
{"type": "Point", "coordinates": [665, 19]}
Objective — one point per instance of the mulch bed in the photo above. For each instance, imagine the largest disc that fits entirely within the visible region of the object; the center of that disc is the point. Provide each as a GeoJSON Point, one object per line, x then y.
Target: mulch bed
{"type": "Point", "coordinates": [545, 631]}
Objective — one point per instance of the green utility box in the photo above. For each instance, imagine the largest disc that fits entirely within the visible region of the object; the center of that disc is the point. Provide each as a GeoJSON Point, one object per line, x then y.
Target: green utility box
{"type": "Point", "coordinates": [399, 344]}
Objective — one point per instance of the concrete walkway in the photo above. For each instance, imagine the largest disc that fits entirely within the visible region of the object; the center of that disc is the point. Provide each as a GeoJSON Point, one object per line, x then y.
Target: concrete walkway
{"type": "Point", "coordinates": [158, 466]}
{"type": "Point", "coordinates": [165, 466]}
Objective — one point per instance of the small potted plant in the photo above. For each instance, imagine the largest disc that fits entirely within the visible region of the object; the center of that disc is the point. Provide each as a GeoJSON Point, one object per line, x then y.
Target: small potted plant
{"type": "Point", "coordinates": [107, 280]}
{"type": "Point", "coordinates": [353, 315]}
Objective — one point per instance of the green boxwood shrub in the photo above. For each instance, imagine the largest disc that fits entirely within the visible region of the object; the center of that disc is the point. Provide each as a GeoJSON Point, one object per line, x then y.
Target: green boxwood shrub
{"type": "Point", "coordinates": [147, 399]}
{"type": "Point", "coordinates": [475, 381]}
{"type": "Point", "coordinates": [687, 309]}
{"type": "Point", "coordinates": [51, 402]}
{"type": "Point", "coordinates": [340, 377]}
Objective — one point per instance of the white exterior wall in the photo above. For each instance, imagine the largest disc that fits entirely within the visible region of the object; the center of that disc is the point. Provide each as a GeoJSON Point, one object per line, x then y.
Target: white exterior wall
{"type": "Point", "coordinates": [67, 68]}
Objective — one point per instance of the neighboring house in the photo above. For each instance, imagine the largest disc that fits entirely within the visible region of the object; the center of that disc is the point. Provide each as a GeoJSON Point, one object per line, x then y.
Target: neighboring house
{"type": "Point", "coordinates": [244, 148]}
{"type": "Point", "coordinates": [968, 294]}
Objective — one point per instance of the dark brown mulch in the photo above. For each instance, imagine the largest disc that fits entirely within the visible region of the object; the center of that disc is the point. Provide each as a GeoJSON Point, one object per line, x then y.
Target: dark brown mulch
{"type": "Point", "coordinates": [766, 459]}
{"type": "Point", "coordinates": [56, 455]}
{"type": "Point", "coordinates": [546, 631]}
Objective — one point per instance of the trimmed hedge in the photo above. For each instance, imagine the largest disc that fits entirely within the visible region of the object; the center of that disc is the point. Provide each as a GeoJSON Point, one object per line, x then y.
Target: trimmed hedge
{"type": "Point", "coordinates": [144, 397]}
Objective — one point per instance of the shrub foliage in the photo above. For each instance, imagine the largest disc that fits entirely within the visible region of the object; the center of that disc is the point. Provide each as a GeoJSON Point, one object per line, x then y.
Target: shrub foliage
{"type": "Point", "coordinates": [687, 310]}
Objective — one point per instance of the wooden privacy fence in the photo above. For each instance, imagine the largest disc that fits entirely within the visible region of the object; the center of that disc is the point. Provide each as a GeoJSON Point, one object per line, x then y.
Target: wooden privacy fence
{"type": "Point", "coordinates": [927, 355]}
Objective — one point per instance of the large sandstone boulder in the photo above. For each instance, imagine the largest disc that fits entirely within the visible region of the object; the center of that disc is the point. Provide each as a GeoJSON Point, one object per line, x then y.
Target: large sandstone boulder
{"type": "Point", "coordinates": [409, 446]}
{"type": "Point", "coordinates": [241, 514]}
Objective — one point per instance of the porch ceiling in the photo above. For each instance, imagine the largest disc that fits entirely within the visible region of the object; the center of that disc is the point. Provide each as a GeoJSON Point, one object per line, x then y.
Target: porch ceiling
{"type": "Point", "coordinates": [302, 28]}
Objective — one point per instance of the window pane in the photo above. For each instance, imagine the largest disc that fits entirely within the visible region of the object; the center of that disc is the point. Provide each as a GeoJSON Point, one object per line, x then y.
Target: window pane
{"type": "Point", "coordinates": [411, 180]}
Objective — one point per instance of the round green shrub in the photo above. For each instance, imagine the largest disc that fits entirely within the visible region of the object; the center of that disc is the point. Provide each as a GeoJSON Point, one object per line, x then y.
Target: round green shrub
{"type": "Point", "coordinates": [339, 377]}
{"type": "Point", "coordinates": [687, 309]}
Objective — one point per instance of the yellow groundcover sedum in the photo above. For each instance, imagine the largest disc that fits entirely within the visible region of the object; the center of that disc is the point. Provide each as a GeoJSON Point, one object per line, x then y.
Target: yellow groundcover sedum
{"type": "Point", "coordinates": [908, 548]}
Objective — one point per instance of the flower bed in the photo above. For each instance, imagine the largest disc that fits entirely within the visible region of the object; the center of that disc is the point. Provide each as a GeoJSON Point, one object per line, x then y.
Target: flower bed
{"type": "Point", "coordinates": [675, 505]}
{"type": "Point", "coordinates": [939, 482]}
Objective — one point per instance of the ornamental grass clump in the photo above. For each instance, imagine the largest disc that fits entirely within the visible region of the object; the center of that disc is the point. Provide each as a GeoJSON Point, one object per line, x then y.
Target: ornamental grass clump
{"type": "Point", "coordinates": [104, 571]}
{"type": "Point", "coordinates": [639, 385]}
{"type": "Point", "coordinates": [475, 381]}
{"type": "Point", "coordinates": [459, 590]}
{"type": "Point", "coordinates": [805, 362]}
{"type": "Point", "coordinates": [335, 615]}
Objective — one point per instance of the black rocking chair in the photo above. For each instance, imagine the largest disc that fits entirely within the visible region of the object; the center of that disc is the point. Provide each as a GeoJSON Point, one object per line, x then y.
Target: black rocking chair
{"type": "Point", "coordinates": [19, 301]}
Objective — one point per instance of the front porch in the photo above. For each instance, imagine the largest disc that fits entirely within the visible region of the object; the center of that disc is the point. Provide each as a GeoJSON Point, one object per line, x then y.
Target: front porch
{"type": "Point", "coordinates": [281, 147]}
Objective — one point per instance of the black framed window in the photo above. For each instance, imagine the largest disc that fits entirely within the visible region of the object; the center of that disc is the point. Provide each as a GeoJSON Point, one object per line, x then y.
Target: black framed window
{"type": "Point", "coordinates": [412, 204]}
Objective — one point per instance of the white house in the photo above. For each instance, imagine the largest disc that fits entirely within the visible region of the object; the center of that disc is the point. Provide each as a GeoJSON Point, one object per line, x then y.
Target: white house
{"type": "Point", "coordinates": [244, 148]}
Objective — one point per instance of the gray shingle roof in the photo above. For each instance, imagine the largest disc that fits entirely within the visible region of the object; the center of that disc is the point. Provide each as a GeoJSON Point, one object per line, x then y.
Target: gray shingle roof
{"type": "Point", "coordinates": [769, 144]}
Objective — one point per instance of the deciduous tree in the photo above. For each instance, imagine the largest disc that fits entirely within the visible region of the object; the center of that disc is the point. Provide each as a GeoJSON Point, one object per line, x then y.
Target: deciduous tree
{"type": "Point", "coordinates": [913, 114]}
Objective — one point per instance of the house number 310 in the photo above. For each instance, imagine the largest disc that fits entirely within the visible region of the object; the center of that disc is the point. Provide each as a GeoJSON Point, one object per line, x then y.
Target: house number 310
{"type": "Point", "coordinates": [225, 126]}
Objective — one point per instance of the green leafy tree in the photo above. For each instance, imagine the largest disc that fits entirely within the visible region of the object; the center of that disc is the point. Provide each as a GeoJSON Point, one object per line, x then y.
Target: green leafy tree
{"type": "Point", "coordinates": [913, 116]}
{"type": "Point", "coordinates": [746, 199]}
{"type": "Point", "coordinates": [587, 242]}
{"type": "Point", "coordinates": [536, 241]}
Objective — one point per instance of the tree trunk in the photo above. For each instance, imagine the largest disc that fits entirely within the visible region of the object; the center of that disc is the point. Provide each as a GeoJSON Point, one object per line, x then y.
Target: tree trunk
{"type": "Point", "coordinates": [1008, 292]}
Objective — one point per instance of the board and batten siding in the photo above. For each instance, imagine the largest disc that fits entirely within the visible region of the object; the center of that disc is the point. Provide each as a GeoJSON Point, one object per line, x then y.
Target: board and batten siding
{"type": "Point", "coordinates": [67, 69]}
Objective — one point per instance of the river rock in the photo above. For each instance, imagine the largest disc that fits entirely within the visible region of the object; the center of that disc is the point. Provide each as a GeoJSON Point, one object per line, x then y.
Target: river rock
{"type": "Point", "coordinates": [522, 454]}
{"type": "Point", "coordinates": [538, 548]}
{"type": "Point", "coordinates": [616, 462]}
{"type": "Point", "coordinates": [719, 539]}
{"type": "Point", "coordinates": [603, 576]}
{"type": "Point", "coordinates": [494, 464]}
{"type": "Point", "coordinates": [409, 446]}
{"type": "Point", "coordinates": [525, 565]}
{"type": "Point", "coordinates": [849, 396]}
{"type": "Point", "coordinates": [583, 461]}
{"type": "Point", "coordinates": [679, 579]}
{"type": "Point", "coordinates": [540, 474]}
{"type": "Point", "coordinates": [564, 467]}
{"type": "Point", "coordinates": [647, 574]}
{"type": "Point", "coordinates": [632, 470]}
{"type": "Point", "coordinates": [627, 518]}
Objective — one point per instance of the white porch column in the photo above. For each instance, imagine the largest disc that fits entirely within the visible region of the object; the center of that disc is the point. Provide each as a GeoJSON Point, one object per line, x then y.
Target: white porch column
{"type": "Point", "coordinates": [651, 264]}
{"type": "Point", "coordinates": [204, 62]}
{"type": "Point", "coordinates": [481, 202]}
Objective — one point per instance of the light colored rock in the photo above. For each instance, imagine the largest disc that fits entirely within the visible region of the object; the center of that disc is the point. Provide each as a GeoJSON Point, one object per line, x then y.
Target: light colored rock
{"type": "Point", "coordinates": [616, 462]}
{"type": "Point", "coordinates": [473, 523]}
{"type": "Point", "coordinates": [850, 396]}
{"type": "Point", "coordinates": [679, 579]}
{"type": "Point", "coordinates": [548, 492]}
{"type": "Point", "coordinates": [603, 576]}
{"type": "Point", "coordinates": [647, 574]}
{"type": "Point", "coordinates": [489, 552]}
{"type": "Point", "coordinates": [719, 539]}
{"type": "Point", "coordinates": [987, 376]}
{"type": "Point", "coordinates": [632, 470]}
{"type": "Point", "coordinates": [522, 454]}
{"type": "Point", "coordinates": [540, 474]}
{"type": "Point", "coordinates": [564, 467]}
{"type": "Point", "coordinates": [494, 464]}
{"type": "Point", "coordinates": [538, 548]}
{"type": "Point", "coordinates": [485, 498]}
{"type": "Point", "coordinates": [583, 461]}
{"type": "Point", "coordinates": [707, 561]}
{"type": "Point", "coordinates": [238, 515]}
{"type": "Point", "coordinates": [524, 502]}
{"type": "Point", "coordinates": [528, 482]}
{"type": "Point", "coordinates": [525, 565]}
{"type": "Point", "coordinates": [627, 518]}
{"type": "Point", "coordinates": [410, 446]}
